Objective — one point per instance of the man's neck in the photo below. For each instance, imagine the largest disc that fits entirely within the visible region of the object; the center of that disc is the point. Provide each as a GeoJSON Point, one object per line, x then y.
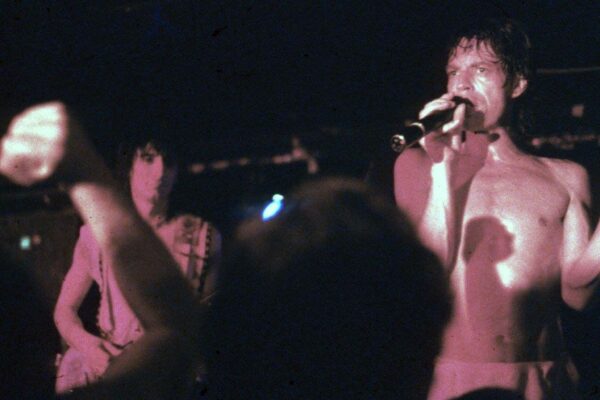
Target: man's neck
{"type": "Point", "coordinates": [153, 210]}
{"type": "Point", "coordinates": [502, 149]}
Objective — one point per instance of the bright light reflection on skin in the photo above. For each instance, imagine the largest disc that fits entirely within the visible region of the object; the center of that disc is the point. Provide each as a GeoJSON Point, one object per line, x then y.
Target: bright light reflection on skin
{"type": "Point", "coordinates": [506, 274]}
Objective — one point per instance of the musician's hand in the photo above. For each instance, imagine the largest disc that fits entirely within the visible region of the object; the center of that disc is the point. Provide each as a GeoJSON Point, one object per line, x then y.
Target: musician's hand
{"type": "Point", "coordinates": [449, 136]}
{"type": "Point", "coordinates": [34, 144]}
{"type": "Point", "coordinates": [98, 354]}
{"type": "Point", "coordinates": [41, 139]}
{"type": "Point", "coordinates": [462, 152]}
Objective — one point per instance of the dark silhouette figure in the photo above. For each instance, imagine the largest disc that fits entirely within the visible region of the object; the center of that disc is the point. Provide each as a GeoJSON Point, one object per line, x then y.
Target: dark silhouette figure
{"type": "Point", "coordinates": [333, 298]}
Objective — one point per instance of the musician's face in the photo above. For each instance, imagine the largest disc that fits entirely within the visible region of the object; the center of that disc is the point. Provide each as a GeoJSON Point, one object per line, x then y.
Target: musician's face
{"type": "Point", "coordinates": [475, 73]}
{"type": "Point", "coordinates": [150, 178]}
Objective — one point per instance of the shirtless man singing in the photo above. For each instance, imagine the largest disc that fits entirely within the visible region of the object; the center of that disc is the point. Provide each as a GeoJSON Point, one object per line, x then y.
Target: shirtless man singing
{"type": "Point", "coordinates": [507, 225]}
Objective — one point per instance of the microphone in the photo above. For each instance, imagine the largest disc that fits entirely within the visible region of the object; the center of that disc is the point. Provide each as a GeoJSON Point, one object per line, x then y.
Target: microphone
{"type": "Point", "coordinates": [412, 133]}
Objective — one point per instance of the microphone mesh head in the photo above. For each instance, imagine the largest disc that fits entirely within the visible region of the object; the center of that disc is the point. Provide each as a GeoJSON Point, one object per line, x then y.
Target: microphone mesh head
{"type": "Point", "coordinates": [398, 143]}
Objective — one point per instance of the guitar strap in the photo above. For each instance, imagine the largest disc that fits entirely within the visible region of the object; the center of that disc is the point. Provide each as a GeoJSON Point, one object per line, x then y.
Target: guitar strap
{"type": "Point", "coordinates": [206, 264]}
{"type": "Point", "coordinates": [193, 239]}
{"type": "Point", "coordinates": [201, 232]}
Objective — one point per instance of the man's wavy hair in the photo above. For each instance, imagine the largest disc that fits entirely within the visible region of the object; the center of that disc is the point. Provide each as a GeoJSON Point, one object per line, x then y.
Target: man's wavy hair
{"type": "Point", "coordinates": [127, 150]}
{"type": "Point", "coordinates": [511, 44]}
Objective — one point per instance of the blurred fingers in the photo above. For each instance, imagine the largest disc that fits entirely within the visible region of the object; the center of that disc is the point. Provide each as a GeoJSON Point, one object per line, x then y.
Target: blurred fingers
{"type": "Point", "coordinates": [112, 350]}
{"type": "Point", "coordinates": [442, 103]}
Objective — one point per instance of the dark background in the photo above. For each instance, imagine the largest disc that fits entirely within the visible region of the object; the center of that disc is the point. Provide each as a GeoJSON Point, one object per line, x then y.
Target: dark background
{"type": "Point", "coordinates": [236, 78]}
{"type": "Point", "coordinates": [232, 79]}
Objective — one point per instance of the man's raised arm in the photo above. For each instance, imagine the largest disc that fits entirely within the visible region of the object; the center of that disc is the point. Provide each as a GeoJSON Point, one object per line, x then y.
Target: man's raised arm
{"type": "Point", "coordinates": [580, 255]}
{"type": "Point", "coordinates": [431, 184]}
{"type": "Point", "coordinates": [45, 141]}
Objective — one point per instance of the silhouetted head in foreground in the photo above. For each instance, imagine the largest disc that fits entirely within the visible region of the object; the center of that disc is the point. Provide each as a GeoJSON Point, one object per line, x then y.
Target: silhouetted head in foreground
{"type": "Point", "coordinates": [332, 298]}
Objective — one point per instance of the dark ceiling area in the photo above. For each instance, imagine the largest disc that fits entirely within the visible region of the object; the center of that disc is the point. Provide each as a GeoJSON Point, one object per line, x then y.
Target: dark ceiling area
{"type": "Point", "coordinates": [230, 79]}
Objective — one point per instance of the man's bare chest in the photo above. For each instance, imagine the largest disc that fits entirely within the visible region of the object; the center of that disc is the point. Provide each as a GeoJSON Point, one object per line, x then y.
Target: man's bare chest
{"type": "Point", "coordinates": [524, 196]}
{"type": "Point", "coordinates": [513, 225]}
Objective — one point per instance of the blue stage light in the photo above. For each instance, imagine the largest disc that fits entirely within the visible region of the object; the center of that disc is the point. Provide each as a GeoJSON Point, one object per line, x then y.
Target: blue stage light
{"type": "Point", "coordinates": [25, 243]}
{"type": "Point", "coordinates": [273, 207]}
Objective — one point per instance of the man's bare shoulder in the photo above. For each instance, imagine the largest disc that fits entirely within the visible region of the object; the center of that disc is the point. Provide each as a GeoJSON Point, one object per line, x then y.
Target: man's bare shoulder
{"type": "Point", "coordinates": [573, 176]}
{"type": "Point", "coordinates": [412, 168]}
{"type": "Point", "coordinates": [567, 169]}
{"type": "Point", "coordinates": [412, 157]}
{"type": "Point", "coordinates": [412, 163]}
{"type": "Point", "coordinates": [412, 181]}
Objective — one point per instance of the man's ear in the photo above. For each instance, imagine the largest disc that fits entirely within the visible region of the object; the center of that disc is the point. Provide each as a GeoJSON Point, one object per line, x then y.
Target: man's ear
{"type": "Point", "coordinates": [519, 86]}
